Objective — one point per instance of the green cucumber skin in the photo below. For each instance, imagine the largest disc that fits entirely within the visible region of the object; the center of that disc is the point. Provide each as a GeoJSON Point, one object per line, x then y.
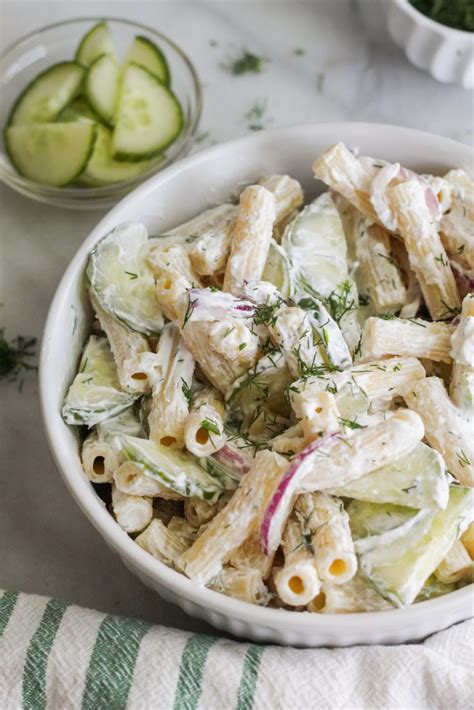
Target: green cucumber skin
{"type": "Point", "coordinates": [36, 79]}
{"type": "Point", "coordinates": [76, 176]}
{"type": "Point", "coordinates": [102, 23]}
{"type": "Point", "coordinates": [166, 79]}
{"type": "Point", "coordinates": [134, 158]}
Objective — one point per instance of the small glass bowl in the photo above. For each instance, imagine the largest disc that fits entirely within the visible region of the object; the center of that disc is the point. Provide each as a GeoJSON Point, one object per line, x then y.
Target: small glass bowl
{"type": "Point", "coordinates": [35, 52]}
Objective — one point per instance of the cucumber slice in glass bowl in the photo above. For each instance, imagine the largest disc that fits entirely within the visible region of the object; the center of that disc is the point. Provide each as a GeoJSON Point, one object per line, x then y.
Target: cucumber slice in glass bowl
{"type": "Point", "coordinates": [122, 281]}
{"type": "Point", "coordinates": [55, 93]}
{"type": "Point", "coordinates": [51, 153]}
{"type": "Point", "coordinates": [96, 42]}
{"type": "Point", "coordinates": [101, 87]}
{"type": "Point", "coordinates": [45, 97]}
{"type": "Point", "coordinates": [149, 116]}
{"type": "Point", "coordinates": [146, 53]}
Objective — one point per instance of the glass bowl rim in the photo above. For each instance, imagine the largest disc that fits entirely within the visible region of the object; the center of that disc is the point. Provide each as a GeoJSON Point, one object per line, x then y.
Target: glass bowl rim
{"type": "Point", "coordinates": [116, 189]}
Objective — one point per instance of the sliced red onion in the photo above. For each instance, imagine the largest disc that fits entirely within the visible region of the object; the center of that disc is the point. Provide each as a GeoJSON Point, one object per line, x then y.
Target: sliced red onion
{"type": "Point", "coordinates": [232, 457]}
{"type": "Point", "coordinates": [209, 305]}
{"type": "Point", "coordinates": [274, 516]}
{"type": "Point", "coordinates": [463, 278]}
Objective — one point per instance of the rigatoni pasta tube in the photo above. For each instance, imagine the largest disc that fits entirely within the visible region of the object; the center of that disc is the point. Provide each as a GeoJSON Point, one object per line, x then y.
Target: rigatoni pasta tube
{"type": "Point", "coordinates": [246, 585]}
{"type": "Point", "coordinates": [236, 521]}
{"type": "Point", "coordinates": [456, 565]}
{"type": "Point", "coordinates": [446, 429]}
{"type": "Point", "coordinates": [426, 253]}
{"type": "Point", "coordinates": [348, 175]}
{"type": "Point", "coordinates": [288, 195]}
{"type": "Point", "coordinates": [99, 459]}
{"type": "Point", "coordinates": [297, 582]}
{"type": "Point", "coordinates": [372, 380]}
{"type": "Point", "coordinates": [461, 387]}
{"type": "Point", "coordinates": [344, 459]}
{"type": "Point", "coordinates": [199, 512]}
{"type": "Point", "coordinates": [130, 478]}
{"type": "Point", "coordinates": [356, 595]}
{"type": "Point", "coordinates": [170, 408]}
{"type": "Point", "coordinates": [318, 412]}
{"type": "Point", "coordinates": [251, 238]}
{"type": "Point", "coordinates": [457, 225]}
{"type": "Point", "coordinates": [133, 513]}
{"type": "Point", "coordinates": [162, 543]}
{"type": "Point", "coordinates": [328, 523]}
{"type": "Point", "coordinates": [127, 347]}
{"type": "Point", "coordinates": [174, 276]}
{"type": "Point", "coordinates": [204, 427]}
{"type": "Point", "coordinates": [411, 338]}
{"type": "Point", "coordinates": [249, 555]}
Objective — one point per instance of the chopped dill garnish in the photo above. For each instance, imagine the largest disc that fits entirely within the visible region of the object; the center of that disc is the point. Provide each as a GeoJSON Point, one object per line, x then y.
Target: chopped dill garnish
{"type": "Point", "coordinates": [202, 137]}
{"type": "Point", "coordinates": [299, 52]}
{"type": "Point", "coordinates": [462, 458]}
{"type": "Point", "coordinates": [387, 316]}
{"type": "Point", "coordinates": [416, 322]}
{"type": "Point", "coordinates": [186, 390]}
{"type": "Point", "coordinates": [442, 259]}
{"type": "Point", "coordinates": [351, 424]}
{"type": "Point", "coordinates": [242, 346]}
{"type": "Point", "coordinates": [14, 356]}
{"type": "Point", "coordinates": [255, 115]}
{"type": "Point", "coordinates": [266, 313]}
{"type": "Point", "coordinates": [209, 425]}
{"type": "Point", "coordinates": [246, 63]}
{"type": "Point", "coordinates": [389, 258]}
{"type": "Point", "coordinates": [410, 488]}
{"type": "Point", "coordinates": [132, 275]}
{"type": "Point", "coordinates": [450, 310]}
{"type": "Point", "coordinates": [189, 309]}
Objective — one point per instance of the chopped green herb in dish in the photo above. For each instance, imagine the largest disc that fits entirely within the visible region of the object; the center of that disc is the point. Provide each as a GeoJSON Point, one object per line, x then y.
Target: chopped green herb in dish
{"type": "Point", "coordinates": [453, 13]}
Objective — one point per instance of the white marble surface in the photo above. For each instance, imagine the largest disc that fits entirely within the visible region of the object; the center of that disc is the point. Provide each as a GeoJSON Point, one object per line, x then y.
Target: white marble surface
{"type": "Point", "coordinates": [350, 70]}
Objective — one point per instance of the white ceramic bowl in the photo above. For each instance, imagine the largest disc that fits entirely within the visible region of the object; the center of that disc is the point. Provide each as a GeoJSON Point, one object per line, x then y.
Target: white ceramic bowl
{"type": "Point", "coordinates": [446, 53]}
{"type": "Point", "coordinates": [166, 199]}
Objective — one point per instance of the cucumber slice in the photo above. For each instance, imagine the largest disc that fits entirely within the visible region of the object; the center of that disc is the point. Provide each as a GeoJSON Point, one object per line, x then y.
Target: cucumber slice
{"type": "Point", "coordinates": [95, 393]}
{"type": "Point", "coordinates": [122, 281]}
{"type": "Point", "coordinates": [262, 386]}
{"type": "Point", "coordinates": [277, 270]}
{"type": "Point", "coordinates": [77, 110]}
{"type": "Point", "coordinates": [149, 117]}
{"type": "Point", "coordinates": [102, 169]}
{"type": "Point", "coordinates": [127, 423]}
{"type": "Point", "coordinates": [367, 519]}
{"type": "Point", "coordinates": [51, 153]}
{"type": "Point", "coordinates": [96, 42]}
{"type": "Point", "coordinates": [146, 53]}
{"type": "Point", "coordinates": [46, 96]}
{"type": "Point", "coordinates": [398, 562]}
{"type": "Point", "coordinates": [101, 86]}
{"type": "Point", "coordinates": [316, 247]}
{"type": "Point", "coordinates": [434, 588]}
{"type": "Point", "coordinates": [417, 480]}
{"type": "Point", "coordinates": [177, 470]}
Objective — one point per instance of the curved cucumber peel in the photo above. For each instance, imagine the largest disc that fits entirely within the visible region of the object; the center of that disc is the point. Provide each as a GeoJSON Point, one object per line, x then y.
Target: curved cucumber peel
{"type": "Point", "coordinates": [148, 55]}
{"type": "Point", "coordinates": [51, 153]}
{"type": "Point", "coordinates": [46, 96]}
{"type": "Point", "coordinates": [149, 117]}
{"type": "Point", "coordinates": [101, 86]}
{"type": "Point", "coordinates": [96, 42]}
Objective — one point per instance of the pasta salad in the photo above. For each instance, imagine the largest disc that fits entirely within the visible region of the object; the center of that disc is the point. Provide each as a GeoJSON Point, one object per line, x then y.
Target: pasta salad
{"type": "Point", "coordinates": [280, 396]}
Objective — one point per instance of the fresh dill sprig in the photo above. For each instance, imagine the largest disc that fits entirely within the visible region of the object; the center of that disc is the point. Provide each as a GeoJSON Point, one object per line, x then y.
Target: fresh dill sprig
{"type": "Point", "coordinates": [210, 426]}
{"type": "Point", "coordinates": [340, 301]}
{"type": "Point", "coordinates": [186, 390]}
{"type": "Point", "coordinates": [267, 313]}
{"type": "Point", "coordinates": [387, 316]}
{"type": "Point", "coordinates": [351, 424]}
{"type": "Point", "coordinates": [14, 356]}
{"type": "Point", "coordinates": [255, 115]}
{"type": "Point", "coordinates": [246, 63]}
{"type": "Point", "coordinates": [189, 309]}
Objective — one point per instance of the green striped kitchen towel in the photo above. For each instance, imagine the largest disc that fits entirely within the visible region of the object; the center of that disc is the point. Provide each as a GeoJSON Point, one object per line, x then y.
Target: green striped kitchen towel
{"type": "Point", "coordinates": [57, 656]}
